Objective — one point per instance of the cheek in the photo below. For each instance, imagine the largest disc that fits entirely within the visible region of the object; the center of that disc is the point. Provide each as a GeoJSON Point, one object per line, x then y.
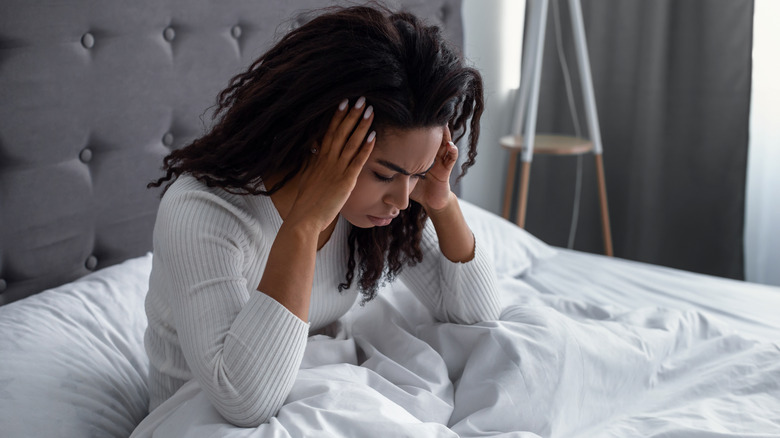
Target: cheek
{"type": "Point", "coordinates": [364, 192]}
{"type": "Point", "coordinates": [412, 184]}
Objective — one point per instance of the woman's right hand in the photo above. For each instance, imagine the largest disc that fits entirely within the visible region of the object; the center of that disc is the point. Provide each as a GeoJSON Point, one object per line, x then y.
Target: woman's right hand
{"type": "Point", "coordinates": [329, 177]}
{"type": "Point", "coordinates": [325, 184]}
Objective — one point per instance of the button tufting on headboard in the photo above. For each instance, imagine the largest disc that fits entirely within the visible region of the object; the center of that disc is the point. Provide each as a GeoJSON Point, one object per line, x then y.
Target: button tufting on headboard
{"type": "Point", "coordinates": [91, 263]}
{"type": "Point", "coordinates": [299, 21]}
{"type": "Point", "coordinates": [169, 34]}
{"type": "Point", "coordinates": [87, 40]}
{"type": "Point", "coordinates": [83, 131]}
{"type": "Point", "coordinates": [167, 139]}
{"type": "Point", "coordinates": [85, 155]}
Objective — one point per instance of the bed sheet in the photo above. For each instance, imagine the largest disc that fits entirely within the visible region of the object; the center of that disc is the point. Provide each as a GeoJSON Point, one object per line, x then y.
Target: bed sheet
{"type": "Point", "coordinates": [585, 347]}
{"type": "Point", "coordinates": [614, 283]}
{"type": "Point", "coordinates": [552, 366]}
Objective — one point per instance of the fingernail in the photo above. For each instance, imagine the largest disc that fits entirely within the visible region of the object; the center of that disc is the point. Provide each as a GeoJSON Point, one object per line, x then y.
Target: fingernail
{"type": "Point", "coordinates": [360, 102]}
{"type": "Point", "coordinates": [453, 145]}
{"type": "Point", "coordinates": [371, 136]}
{"type": "Point", "coordinates": [368, 112]}
{"type": "Point", "coordinates": [343, 104]}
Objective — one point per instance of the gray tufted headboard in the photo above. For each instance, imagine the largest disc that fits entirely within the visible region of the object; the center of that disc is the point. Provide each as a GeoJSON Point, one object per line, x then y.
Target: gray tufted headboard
{"type": "Point", "coordinates": [93, 94]}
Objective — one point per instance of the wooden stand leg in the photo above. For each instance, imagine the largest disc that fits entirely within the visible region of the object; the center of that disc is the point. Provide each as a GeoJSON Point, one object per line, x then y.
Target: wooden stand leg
{"type": "Point", "coordinates": [605, 228]}
{"type": "Point", "coordinates": [525, 173]}
{"type": "Point", "coordinates": [510, 184]}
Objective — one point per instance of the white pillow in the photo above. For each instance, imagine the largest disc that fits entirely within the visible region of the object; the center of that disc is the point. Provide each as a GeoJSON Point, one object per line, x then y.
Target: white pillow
{"type": "Point", "coordinates": [514, 250]}
{"type": "Point", "coordinates": [72, 361]}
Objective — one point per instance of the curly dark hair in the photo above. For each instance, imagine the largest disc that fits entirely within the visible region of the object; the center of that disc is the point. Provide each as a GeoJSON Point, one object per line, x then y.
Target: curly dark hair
{"type": "Point", "coordinates": [268, 116]}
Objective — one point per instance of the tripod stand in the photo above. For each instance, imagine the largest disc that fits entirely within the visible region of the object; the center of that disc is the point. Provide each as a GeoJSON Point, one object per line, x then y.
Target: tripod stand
{"type": "Point", "coordinates": [527, 107]}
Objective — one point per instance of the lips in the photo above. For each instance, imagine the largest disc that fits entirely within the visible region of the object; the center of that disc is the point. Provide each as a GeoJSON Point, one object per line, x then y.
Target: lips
{"type": "Point", "coordinates": [380, 221]}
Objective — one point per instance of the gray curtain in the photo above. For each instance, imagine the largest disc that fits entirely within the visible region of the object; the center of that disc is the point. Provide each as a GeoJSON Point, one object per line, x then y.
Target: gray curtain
{"type": "Point", "coordinates": [672, 85]}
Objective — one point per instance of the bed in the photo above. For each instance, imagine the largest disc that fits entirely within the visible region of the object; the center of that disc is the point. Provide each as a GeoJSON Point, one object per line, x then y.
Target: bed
{"type": "Point", "coordinates": [94, 94]}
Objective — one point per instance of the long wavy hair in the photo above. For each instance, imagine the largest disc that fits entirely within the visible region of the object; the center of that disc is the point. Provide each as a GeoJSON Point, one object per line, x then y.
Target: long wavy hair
{"type": "Point", "coordinates": [269, 115]}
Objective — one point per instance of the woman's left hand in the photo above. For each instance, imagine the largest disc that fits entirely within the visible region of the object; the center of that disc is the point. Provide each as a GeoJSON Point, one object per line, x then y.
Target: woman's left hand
{"type": "Point", "coordinates": [433, 192]}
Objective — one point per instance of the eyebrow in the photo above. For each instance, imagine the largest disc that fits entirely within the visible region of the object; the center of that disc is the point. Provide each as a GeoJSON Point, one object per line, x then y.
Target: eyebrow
{"type": "Point", "coordinates": [399, 169]}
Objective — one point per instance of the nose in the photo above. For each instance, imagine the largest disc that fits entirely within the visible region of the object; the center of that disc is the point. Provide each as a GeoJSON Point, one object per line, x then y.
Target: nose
{"type": "Point", "coordinates": [398, 194]}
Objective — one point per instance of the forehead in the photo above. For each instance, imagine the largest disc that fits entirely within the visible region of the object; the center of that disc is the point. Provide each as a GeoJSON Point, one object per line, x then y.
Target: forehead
{"type": "Point", "coordinates": [412, 149]}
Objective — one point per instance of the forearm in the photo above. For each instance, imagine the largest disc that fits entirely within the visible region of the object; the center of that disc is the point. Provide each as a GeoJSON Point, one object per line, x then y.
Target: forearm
{"type": "Point", "coordinates": [249, 379]}
{"type": "Point", "coordinates": [463, 293]}
{"type": "Point", "coordinates": [456, 240]}
{"type": "Point", "coordinates": [289, 272]}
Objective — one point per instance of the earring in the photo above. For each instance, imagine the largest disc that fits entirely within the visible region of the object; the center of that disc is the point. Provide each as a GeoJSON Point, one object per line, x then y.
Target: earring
{"type": "Point", "coordinates": [314, 151]}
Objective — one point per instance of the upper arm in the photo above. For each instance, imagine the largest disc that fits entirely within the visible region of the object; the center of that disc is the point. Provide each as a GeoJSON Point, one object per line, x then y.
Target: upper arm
{"type": "Point", "coordinates": [240, 344]}
{"type": "Point", "coordinates": [200, 240]}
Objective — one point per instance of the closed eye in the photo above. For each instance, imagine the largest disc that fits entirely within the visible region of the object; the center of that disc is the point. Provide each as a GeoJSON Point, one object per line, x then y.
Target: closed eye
{"type": "Point", "coordinates": [382, 177]}
{"type": "Point", "coordinates": [400, 170]}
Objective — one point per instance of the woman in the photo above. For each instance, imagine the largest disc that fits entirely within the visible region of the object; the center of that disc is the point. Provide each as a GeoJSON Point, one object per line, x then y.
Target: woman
{"type": "Point", "coordinates": [326, 174]}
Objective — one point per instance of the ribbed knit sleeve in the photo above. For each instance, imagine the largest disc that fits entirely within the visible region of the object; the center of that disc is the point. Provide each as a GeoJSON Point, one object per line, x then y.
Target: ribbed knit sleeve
{"type": "Point", "coordinates": [243, 347]}
{"type": "Point", "coordinates": [463, 293]}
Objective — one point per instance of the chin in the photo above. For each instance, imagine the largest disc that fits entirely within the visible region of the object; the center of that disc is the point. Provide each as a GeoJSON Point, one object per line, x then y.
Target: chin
{"type": "Point", "coordinates": [361, 225]}
{"type": "Point", "coordinates": [364, 223]}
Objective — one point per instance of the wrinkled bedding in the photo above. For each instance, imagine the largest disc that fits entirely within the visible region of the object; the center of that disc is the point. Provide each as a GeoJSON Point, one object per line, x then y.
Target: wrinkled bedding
{"type": "Point", "coordinates": [72, 360]}
{"type": "Point", "coordinates": [673, 355]}
{"type": "Point", "coordinates": [550, 367]}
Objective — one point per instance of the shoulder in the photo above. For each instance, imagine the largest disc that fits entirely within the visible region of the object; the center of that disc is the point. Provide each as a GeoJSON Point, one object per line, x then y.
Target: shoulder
{"type": "Point", "coordinates": [194, 196]}
{"type": "Point", "coordinates": [191, 207]}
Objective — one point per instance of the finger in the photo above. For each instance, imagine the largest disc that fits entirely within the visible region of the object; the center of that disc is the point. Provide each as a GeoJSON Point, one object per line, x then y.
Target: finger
{"type": "Point", "coordinates": [359, 135]}
{"type": "Point", "coordinates": [451, 157]}
{"type": "Point", "coordinates": [335, 121]}
{"type": "Point", "coordinates": [445, 162]}
{"type": "Point", "coordinates": [442, 152]}
{"type": "Point", "coordinates": [446, 144]}
{"type": "Point", "coordinates": [347, 125]}
{"type": "Point", "coordinates": [360, 159]}
{"type": "Point", "coordinates": [447, 137]}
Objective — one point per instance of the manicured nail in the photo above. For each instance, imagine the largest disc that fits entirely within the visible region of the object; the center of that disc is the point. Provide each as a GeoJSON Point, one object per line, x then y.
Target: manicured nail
{"type": "Point", "coordinates": [368, 112]}
{"type": "Point", "coordinates": [343, 104]}
{"type": "Point", "coordinates": [371, 136]}
{"type": "Point", "coordinates": [452, 145]}
{"type": "Point", "coordinates": [360, 102]}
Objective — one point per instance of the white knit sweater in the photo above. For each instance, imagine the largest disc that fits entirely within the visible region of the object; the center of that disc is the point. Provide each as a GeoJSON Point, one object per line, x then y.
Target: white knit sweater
{"type": "Point", "coordinates": [207, 321]}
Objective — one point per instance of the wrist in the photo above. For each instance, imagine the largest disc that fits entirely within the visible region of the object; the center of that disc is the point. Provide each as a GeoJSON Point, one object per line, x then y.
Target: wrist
{"type": "Point", "coordinates": [307, 220]}
{"type": "Point", "coordinates": [304, 228]}
{"type": "Point", "coordinates": [456, 241]}
{"type": "Point", "coordinates": [451, 201]}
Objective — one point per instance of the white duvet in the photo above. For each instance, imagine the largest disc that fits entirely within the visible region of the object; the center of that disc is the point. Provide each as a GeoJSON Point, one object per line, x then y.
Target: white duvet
{"type": "Point", "coordinates": [554, 365]}
{"type": "Point", "coordinates": [550, 367]}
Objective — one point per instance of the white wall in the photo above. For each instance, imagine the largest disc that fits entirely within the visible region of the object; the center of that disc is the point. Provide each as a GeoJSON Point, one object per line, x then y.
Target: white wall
{"type": "Point", "coordinates": [762, 209]}
{"type": "Point", "coordinates": [493, 32]}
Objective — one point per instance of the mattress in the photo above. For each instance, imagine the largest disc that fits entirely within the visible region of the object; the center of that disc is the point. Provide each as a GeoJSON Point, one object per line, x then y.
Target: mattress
{"type": "Point", "coordinates": [585, 346]}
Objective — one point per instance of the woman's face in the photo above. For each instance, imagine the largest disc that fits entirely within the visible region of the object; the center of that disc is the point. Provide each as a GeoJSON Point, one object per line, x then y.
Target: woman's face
{"type": "Point", "coordinates": [393, 169]}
